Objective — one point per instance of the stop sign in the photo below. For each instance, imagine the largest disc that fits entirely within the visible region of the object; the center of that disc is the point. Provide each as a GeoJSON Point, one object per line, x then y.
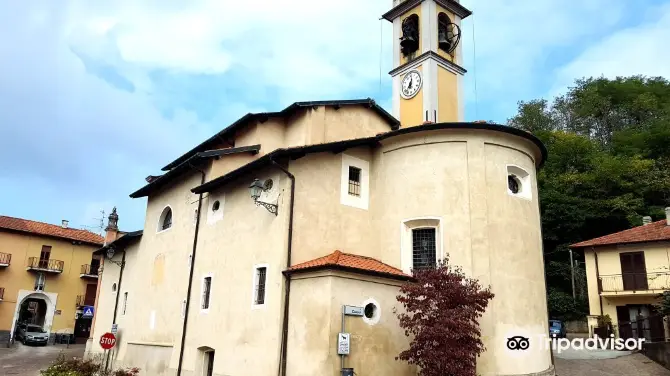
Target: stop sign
{"type": "Point", "coordinates": [107, 341]}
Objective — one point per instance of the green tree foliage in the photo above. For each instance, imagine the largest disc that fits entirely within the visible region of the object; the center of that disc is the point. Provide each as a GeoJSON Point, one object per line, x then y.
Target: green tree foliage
{"type": "Point", "coordinates": [608, 165]}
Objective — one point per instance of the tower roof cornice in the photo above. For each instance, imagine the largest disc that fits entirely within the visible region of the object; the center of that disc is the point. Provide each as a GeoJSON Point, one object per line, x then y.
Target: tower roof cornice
{"type": "Point", "coordinates": [408, 5]}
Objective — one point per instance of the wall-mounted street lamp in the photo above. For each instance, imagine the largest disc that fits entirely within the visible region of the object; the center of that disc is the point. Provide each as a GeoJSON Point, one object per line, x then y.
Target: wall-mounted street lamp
{"type": "Point", "coordinates": [258, 187]}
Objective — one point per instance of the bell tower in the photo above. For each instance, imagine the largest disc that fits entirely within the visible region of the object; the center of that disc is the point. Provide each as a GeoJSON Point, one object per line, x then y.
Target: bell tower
{"type": "Point", "coordinates": [427, 61]}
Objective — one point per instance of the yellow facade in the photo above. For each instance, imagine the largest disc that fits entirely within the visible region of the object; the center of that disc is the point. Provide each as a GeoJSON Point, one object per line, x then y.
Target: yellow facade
{"type": "Point", "coordinates": [447, 89]}
{"type": "Point", "coordinates": [63, 288]}
{"type": "Point", "coordinates": [607, 289]}
{"type": "Point", "coordinates": [411, 110]}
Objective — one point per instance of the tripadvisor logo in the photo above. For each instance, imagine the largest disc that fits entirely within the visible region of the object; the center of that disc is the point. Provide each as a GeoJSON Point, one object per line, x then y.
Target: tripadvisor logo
{"type": "Point", "coordinates": [521, 343]}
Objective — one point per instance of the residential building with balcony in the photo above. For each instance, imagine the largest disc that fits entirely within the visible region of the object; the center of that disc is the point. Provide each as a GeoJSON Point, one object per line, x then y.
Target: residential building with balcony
{"type": "Point", "coordinates": [44, 269]}
{"type": "Point", "coordinates": [626, 273]}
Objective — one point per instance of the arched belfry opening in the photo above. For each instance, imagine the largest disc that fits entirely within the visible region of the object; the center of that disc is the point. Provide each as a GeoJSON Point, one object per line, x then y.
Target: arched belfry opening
{"type": "Point", "coordinates": [409, 42]}
{"type": "Point", "coordinates": [448, 33]}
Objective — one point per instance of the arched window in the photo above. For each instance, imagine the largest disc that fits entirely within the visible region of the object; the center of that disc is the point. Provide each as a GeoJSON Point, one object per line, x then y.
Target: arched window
{"type": "Point", "coordinates": [165, 221]}
{"type": "Point", "coordinates": [448, 33]}
{"type": "Point", "coordinates": [409, 42]}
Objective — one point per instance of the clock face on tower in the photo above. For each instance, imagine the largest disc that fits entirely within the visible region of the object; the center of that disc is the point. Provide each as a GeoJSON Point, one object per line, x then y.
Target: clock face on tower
{"type": "Point", "coordinates": [411, 84]}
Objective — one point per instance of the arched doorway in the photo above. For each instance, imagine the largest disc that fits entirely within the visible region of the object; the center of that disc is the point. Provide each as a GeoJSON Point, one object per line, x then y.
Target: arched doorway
{"type": "Point", "coordinates": [34, 308]}
{"type": "Point", "coordinates": [33, 311]}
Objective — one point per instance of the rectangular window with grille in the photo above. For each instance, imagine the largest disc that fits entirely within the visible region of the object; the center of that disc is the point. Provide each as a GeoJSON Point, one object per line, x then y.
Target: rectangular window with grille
{"type": "Point", "coordinates": [206, 288]}
{"type": "Point", "coordinates": [354, 181]}
{"type": "Point", "coordinates": [423, 248]}
{"type": "Point", "coordinates": [259, 290]}
{"type": "Point", "coordinates": [125, 302]}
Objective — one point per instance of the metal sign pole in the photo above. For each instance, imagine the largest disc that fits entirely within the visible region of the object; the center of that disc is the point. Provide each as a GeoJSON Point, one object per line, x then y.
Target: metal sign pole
{"type": "Point", "coordinates": [342, 356]}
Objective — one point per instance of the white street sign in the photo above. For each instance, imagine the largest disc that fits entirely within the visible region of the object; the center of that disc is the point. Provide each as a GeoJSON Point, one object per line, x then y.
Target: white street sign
{"type": "Point", "coordinates": [343, 344]}
{"type": "Point", "coordinates": [115, 328]}
{"type": "Point", "coordinates": [353, 311]}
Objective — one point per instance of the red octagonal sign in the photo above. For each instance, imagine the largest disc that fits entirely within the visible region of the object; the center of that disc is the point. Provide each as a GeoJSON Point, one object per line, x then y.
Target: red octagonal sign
{"type": "Point", "coordinates": [107, 341]}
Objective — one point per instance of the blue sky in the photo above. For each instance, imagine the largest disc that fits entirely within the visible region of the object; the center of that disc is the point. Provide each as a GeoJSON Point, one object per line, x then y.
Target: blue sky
{"type": "Point", "coordinates": [96, 95]}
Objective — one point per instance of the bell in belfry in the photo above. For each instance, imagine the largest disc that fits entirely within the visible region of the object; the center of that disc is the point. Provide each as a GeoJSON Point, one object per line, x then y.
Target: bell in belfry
{"type": "Point", "coordinates": [409, 42]}
{"type": "Point", "coordinates": [443, 41]}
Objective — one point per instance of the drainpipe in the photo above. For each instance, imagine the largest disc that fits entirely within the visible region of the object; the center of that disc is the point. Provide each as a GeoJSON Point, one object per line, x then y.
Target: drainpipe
{"type": "Point", "coordinates": [190, 274]}
{"type": "Point", "coordinates": [118, 285]}
{"type": "Point", "coordinates": [116, 304]}
{"type": "Point", "coordinates": [287, 291]}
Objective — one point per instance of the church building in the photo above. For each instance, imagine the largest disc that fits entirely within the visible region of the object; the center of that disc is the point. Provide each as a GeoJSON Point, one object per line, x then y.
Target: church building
{"type": "Point", "coordinates": [266, 241]}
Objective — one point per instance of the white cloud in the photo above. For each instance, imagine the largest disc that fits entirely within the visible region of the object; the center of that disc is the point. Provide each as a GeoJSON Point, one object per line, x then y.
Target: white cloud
{"type": "Point", "coordinates": [642, 49]}
{"type": "Point", "coordinates": [300, 49]}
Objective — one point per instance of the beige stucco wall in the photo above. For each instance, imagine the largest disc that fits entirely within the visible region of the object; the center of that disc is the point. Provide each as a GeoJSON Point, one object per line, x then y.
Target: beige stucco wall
{"type": "Point", "coordinates": [228, 250]}
{"type": "Point", "coordinates": [66, 285]}
{"type": "Point", "coordinates": [455, 177]}
{"type": "Point", "coordinates": [460, 177]}
{"type": "Point", "coordinates": [156, 279]}
{"type": "Point", "coordinates": [316, 320]}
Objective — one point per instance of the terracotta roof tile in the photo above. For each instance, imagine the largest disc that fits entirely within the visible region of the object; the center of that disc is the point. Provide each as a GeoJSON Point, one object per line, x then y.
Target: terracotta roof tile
{"type": "Point", "coordinates": [340, 260]}
{"type": "Point", "coordinates": [654, 231]}
{"type": "Point", "coordinates": [46, 229]}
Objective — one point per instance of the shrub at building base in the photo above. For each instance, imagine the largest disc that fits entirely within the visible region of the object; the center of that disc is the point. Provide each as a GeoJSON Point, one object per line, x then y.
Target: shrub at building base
{"type": "Point", "coordinates": [81, 367]}
{"type": "Point", "coordinates": [442, 308]}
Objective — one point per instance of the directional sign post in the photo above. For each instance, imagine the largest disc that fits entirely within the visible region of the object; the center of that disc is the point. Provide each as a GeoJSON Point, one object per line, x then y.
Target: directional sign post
{"type": "Point", "coordinates": [353, 311]}
{"type": "Point", "coordinates": [87, 311]}
{"type": "Point", "coordinates": [107, 341]}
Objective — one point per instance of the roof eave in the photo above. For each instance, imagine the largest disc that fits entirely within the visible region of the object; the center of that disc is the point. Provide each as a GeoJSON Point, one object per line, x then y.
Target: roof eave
{"type": "Point", "coordinates": [349, 269]}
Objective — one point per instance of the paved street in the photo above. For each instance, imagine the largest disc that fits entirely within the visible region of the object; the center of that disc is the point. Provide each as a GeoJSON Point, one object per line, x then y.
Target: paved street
{"type": "Point", "coordinates": [28, 360]}
{"type": "Point", "coordinates": [606, 363]}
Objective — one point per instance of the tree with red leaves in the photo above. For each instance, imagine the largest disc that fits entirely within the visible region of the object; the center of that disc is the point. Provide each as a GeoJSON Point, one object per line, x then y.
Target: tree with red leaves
{"type": "Point", "coordinates": [441, 312]}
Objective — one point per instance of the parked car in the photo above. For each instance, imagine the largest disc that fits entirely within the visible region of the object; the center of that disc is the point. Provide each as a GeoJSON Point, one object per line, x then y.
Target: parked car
{"type": "Point", "coordinates": [557, 329]}
{"type": "Point", "coordinates": [29, 333]}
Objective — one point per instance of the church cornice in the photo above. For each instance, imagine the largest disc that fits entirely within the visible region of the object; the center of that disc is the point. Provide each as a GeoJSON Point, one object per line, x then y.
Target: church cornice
{"type": "Point", "coordinates": [448, 65]}
{"type": "Point", "coordinates": [408, 5]}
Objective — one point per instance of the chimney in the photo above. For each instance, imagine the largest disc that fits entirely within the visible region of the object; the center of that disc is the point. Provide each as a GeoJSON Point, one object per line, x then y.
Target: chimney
{"type": "Point", "coordinates": [667, 216]}
{"type": "Point", "coordinates": [112, 230]}
{"type": "Point", "coordinates": [64, 223]}
{"type": "Point", "coordinates": [646, 220]}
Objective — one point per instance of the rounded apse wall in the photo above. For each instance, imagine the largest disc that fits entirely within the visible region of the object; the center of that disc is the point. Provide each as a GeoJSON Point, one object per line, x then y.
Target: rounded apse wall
{"type": "Point", "coordinates": [477, 190]}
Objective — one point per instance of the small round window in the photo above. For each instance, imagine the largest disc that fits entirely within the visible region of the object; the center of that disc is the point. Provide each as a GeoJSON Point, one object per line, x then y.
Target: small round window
{"type": "Point", "coordinates": [513, 184]}
{"type": "Point", "coordinates": [113, 287]}
{"type": "Point", "coordinates": [370, 310]}
{"type": "Point", "coordinates": [216, 205]}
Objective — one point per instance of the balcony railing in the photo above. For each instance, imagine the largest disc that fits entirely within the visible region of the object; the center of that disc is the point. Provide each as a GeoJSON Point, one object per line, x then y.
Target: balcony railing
{"type": "Point", "coordinates": [54, 266]}
{"type": "Point", "coordinates": [634, 282]}
{"type": "Point", "coordinates": [2, 293]}
{"type": "Point", "coordinates": [84, 300]}
{"type": "Point", "coordinates": [90, 271]}
{"type": "Point", "coordinates": [5, 259]}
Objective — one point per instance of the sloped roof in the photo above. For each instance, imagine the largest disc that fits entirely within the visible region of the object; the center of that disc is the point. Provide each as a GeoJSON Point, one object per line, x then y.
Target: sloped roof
{"type": "Point", "coordinates": [156, 182]}
{"type": "Point", "coordinates": [655, 231]}
{"type": "Point", "coordinates": [230, 130]}
{"type": "Point", "coordinates": [351, 263]}
{"type": "Point", "coordinates": [340, 146]}
{"type": "Point", "coordinates": [47, 229]}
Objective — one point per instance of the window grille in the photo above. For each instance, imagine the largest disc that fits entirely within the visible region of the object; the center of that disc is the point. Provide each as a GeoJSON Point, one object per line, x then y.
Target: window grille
{"type": "Point", "coordinates": [354, 181]}
{"type": "Point", "coordinates": [167, 220]}
{"type": "Point", "coordinates": [206, 288]}
{"type": "Point", "coordinates": [423, 248]}
{"type": "Point", "coordinates": [261, 276]}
